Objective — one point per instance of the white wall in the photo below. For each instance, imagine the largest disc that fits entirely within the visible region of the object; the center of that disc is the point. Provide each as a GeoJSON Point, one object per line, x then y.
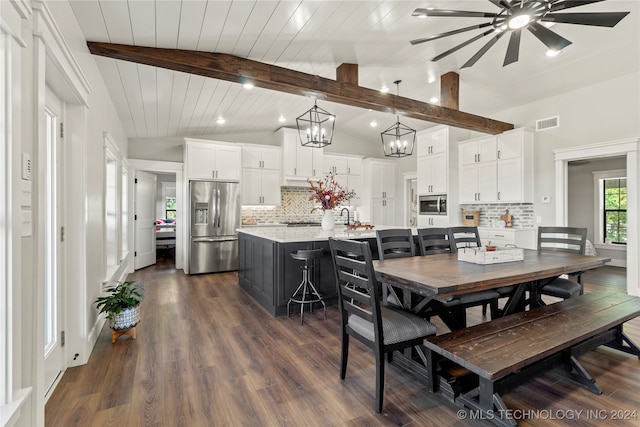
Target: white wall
{"type": "Point", "coordinates": [51, 38]}
{"type": "Point", "coordinates": [606, 111]}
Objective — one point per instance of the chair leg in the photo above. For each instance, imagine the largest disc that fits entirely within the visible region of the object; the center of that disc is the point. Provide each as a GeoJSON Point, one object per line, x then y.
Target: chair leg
{"type": "Point", "coordinates": [345, 355]}
{"type": "Point", "coordinates": [493, 305]}
{"type": "Point", "coordinates": [379, 380]}
{"type": "Point", "coordinates": [484, 309]}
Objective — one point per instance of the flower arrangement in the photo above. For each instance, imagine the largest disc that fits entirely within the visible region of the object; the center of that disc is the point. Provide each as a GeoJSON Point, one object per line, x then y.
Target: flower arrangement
{"type": "Point", "coordinates": [328, 193]}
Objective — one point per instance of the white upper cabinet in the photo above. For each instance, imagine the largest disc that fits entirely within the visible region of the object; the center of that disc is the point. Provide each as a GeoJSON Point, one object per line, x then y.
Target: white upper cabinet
{"type": "Point", "coordinates": [515, 166]}
{"type": "Point", "coordinates": [261, 157]}
{"type": "Point", "coordinates": [261, 175]}
{"type": "Point", "coordinates": [497, 169]}
{"type": "Point", "coordinates": [433, 161]}
{"type": "Point", "coordinates": [478, 150]}
{"type": "Point", "coordinates": [433, 142]}
{"type": "Point", "coordinates": [347, 172]}
{"type": "Point", "coordinates": [299, 162]}
{"type": "Point", "coordinates": [213, 160]}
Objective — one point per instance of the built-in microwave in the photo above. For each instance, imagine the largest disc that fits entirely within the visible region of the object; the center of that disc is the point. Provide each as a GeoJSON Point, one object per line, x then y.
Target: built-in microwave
{"type": "Point", "coordinates": [432, 205]}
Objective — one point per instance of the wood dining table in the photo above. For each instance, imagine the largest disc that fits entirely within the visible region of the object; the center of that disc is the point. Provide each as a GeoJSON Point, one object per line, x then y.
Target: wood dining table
{"type": "Point", "coordinates": [423, 278]}
{"type": "Point", "coordinates": [442, 276]}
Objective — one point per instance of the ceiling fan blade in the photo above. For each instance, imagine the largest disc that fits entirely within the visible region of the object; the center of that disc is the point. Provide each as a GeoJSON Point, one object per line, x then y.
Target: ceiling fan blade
{"type": "Point", "coordinates": [482, 51]}
{"type": "Point", "coordinates": [552, 40]}
{"type": "Point", "coordinates": [571, 3]}
{"type": "Point", "coordinates": [456, 13]}
{"type": "Point", "coordinates": [513, 50]}
{"type": "Point", "coordinates": [450, 33]}
{"type": "Point", "coordinates": [598, 19]}
{"type": "Point", "coordinates": [461, 45]}
{"type": "Point", "coordinates": [503, 4]}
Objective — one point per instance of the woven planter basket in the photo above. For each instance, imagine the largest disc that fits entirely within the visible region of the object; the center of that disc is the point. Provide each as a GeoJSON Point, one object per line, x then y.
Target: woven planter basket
{"type": "Point", "coordinates": [127, 318]}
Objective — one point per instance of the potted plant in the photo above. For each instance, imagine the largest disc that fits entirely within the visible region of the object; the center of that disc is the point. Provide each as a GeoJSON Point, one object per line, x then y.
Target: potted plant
{"type": "Point", "coordinates": [122, 305]}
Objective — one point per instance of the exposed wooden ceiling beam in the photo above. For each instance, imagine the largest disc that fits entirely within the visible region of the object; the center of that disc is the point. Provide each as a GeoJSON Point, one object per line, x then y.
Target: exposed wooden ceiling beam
{"type": "Point", "coordinates": [449, 90]}
{"type": "Point", "coordinates": [235, 69]}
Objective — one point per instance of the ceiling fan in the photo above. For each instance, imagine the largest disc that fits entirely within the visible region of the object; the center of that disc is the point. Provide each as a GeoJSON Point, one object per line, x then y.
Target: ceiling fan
{"type": "Point", "coordinates": [513, 17]}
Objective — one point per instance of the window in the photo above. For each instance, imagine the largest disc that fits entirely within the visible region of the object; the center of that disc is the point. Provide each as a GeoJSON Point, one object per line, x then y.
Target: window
{"type": "Point", "coordinates": [610, 206]}
{"type": "Point", "coordinates": [169, 198]}
{"type": "Point", "coordinates": [170, 207]}
{"type": "Point", "coordinates": [124, 210]}
{"type": "Point", "coordinates": [111, 206]}
{"type": "Point", "coordinates": [615, 210]}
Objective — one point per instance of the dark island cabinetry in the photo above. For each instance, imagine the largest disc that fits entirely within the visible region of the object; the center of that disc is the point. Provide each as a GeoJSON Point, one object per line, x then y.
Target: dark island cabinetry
{"type": "Point", "coordinates": [269, 274]}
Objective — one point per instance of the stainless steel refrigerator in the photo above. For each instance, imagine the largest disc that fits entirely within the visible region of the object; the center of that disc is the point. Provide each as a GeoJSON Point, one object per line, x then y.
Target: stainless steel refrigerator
{"type": "Point", "coordinates": [215, 216]}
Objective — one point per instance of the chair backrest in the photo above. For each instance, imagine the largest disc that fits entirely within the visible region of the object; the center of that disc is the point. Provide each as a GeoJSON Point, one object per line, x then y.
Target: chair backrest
{"type": "Point", "coordinates": [395, 243]}
{"type": "Point", "coordinates": [358, 288]}
{"type": "Point", "coordinates": [433, 241]}
{"type": "Point", "coordinates": [464, 236]}
{"type": "Point", "coordinates": [562, 239]}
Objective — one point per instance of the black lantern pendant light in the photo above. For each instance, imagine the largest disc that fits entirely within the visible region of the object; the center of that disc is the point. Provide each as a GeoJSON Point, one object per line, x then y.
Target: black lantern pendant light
{"type": "Point", "coordinates": [315, 127]}
{"type": "Point", "coordinates": [398, 140]}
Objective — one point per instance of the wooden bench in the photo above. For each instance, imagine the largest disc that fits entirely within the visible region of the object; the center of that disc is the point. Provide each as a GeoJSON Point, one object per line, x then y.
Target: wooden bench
{"type": "Point", "coordinates": [499, 355]}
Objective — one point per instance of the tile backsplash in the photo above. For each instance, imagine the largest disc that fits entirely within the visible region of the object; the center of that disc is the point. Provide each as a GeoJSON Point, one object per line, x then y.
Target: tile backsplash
{"type": "Point", "coordinates": [295, 206]}
{"type": "Point", "coordinates": [522, 213]}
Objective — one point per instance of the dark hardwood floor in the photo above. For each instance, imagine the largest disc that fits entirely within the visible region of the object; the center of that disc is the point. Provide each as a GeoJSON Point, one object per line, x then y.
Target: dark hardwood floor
{"type": "Point", "coordinates": [207, 355]}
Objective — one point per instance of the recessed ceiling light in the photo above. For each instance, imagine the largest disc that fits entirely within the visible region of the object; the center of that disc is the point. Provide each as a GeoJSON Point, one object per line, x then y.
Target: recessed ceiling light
{"type": "Point", "coordinates": [434, 100]}
{"type": "Point", "coordinates": [220, 121]}
{"type": "Point", "coordinates": [282, 119]}
{"type": "Point", "coordinates": [373, 124]}
{"type": "Point", "coordinates": [248, 85]}
{"type": "Point", "coordinates": [384, 89]}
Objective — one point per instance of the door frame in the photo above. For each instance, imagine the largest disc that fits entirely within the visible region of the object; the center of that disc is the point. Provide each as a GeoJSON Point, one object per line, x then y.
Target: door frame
{"type": "Point", "coordinates": [407, 178]}
{"type": "Point", "coordinates": [155, 166]}
{"type": "Point", "coordinates": [630, 148]}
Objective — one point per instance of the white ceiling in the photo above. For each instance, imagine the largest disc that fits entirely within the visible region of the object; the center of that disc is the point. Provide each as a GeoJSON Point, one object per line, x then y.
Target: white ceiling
{"type": "Point", "coordinates": [316, 37]}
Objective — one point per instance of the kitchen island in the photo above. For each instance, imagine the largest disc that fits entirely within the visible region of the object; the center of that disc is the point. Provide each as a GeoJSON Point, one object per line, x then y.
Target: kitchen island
{"type": "Point", "coordinates": [269, 274]}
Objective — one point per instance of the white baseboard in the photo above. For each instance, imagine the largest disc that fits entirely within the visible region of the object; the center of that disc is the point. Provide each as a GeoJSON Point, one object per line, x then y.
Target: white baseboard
{"type": "Point", "coordinates": [618, 263]}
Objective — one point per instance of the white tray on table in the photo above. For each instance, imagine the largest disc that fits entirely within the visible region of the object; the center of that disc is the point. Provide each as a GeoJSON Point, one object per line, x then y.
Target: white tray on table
{"type": "Point", "coordinates": [482, 256]}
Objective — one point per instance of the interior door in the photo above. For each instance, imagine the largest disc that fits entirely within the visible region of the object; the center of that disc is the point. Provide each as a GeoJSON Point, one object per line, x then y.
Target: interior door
{"type": "Point", "coordinates": [53, 353]}
{"type": "Point", "coordinates": [144, 219]}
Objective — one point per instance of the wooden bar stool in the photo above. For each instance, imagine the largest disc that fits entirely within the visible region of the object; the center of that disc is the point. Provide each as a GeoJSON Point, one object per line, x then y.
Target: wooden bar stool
{"type": "Point", "coordinates": [306, 293]}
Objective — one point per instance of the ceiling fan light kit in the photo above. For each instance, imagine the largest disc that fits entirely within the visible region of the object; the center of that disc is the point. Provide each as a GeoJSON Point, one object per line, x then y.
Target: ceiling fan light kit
{"type": "Point", "coordinates": [315, 127]}
{"type": "Point", "coordinates": [398, 140]}
{"type": "Point", "coordinates": [513, 17]}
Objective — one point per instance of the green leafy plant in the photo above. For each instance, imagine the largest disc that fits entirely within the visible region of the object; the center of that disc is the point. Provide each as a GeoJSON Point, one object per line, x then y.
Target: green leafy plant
{"type": "Point", "coordinates": [122, 296]}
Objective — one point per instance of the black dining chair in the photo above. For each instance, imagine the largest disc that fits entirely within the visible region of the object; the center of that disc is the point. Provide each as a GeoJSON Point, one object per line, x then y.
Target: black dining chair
{"type": "Point", "coordinates": [383, 329]}
{"type": "Point", "coordinates": [563, 239]}
{"type": "Point", "coordinates": [433, 241]}
{"type": "Point", "coordinates": [394, 243]}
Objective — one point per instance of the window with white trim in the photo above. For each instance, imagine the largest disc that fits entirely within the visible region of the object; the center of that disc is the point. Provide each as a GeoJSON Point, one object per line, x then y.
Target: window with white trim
{"type": "Point", "coordinates": [124, 210]}
{"type": "Point", "coordinates": [111, 206]}
{"type": "Point", "coordinates": [610, 188]}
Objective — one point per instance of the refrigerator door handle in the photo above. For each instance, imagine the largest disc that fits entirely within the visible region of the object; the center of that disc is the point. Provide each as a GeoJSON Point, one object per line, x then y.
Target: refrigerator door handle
{"type": "Point", "coordinates": [218, 207]}
{"type": "Point", "coordinates": [213, 239]}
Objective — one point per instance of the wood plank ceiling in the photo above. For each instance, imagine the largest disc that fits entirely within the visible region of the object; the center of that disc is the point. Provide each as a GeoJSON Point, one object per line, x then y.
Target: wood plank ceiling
{"type": "Point", "coordinates": [315, 37]}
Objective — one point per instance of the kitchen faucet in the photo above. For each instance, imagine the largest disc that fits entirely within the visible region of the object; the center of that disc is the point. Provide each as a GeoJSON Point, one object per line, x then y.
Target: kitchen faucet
{"type": "Point", "coordinates": [348, 218]}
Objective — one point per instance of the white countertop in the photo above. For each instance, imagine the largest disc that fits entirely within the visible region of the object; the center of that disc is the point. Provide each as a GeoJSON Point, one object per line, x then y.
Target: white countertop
{"type": "Point", "coordinates": [311, 234]}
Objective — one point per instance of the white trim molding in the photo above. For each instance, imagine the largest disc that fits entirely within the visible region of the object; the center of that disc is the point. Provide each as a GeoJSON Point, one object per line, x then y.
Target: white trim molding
{"type": "Point", "coordinates": [627, 147]}
{"type": "Point", "coordinates": [45, 26]}
{"type": "Point", "coordinates": [181, 198]}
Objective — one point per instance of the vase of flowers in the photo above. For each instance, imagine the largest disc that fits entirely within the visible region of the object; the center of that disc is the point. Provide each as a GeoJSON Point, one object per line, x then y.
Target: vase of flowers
{"type": "Point", "coordinates": [330, 195]}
